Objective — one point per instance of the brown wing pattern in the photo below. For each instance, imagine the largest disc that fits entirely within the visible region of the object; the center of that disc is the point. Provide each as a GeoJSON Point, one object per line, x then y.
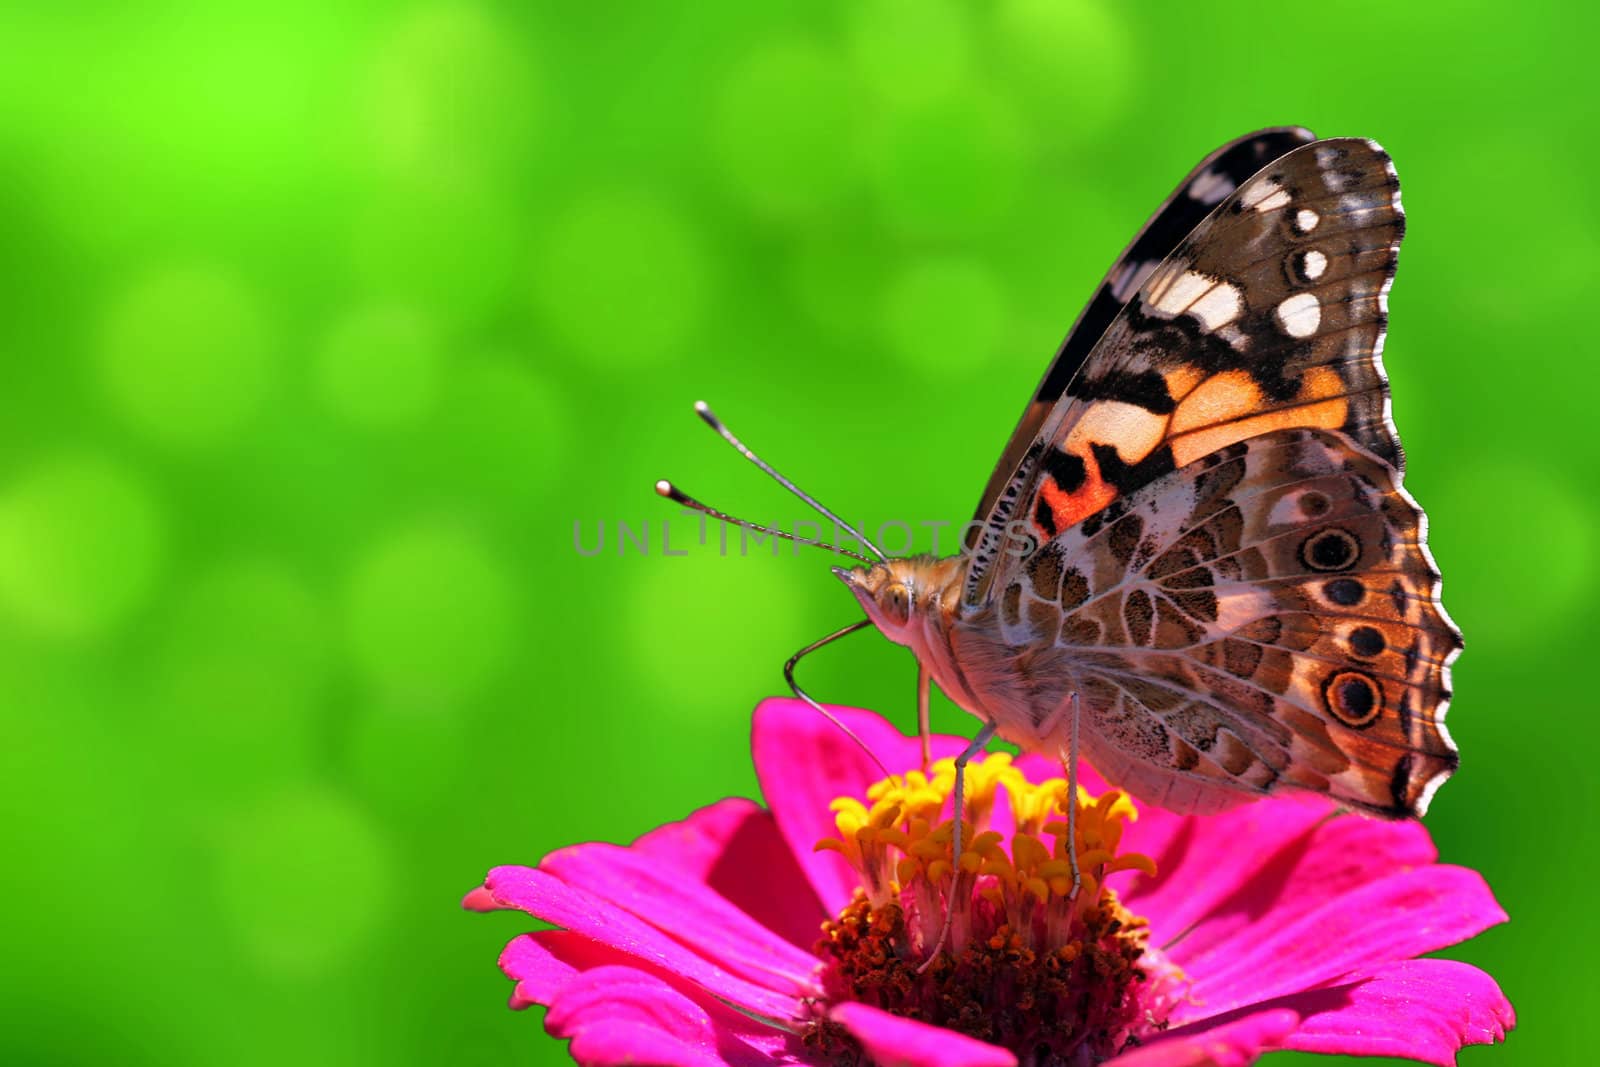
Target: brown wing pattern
{"type": "Point", "coordinates": [1267, 616]}
{"type": "Point", "coordinates": [1270, 315]}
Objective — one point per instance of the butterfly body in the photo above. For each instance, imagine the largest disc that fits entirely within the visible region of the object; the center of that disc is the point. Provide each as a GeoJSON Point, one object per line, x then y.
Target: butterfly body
{"type": "Point", "coordinates": [1223, 565]}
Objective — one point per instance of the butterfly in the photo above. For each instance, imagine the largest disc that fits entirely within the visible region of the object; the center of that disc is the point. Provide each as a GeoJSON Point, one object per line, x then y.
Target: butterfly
{"type": "Point", "coordinates": [1195, 564]}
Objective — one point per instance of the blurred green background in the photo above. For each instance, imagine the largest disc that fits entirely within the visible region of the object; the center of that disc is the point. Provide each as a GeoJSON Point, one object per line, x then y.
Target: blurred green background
{"type": "Point", "coordinates": [323, 325]}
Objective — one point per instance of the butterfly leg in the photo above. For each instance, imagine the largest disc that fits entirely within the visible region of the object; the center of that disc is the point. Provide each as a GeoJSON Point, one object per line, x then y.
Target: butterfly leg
{"type": "Point", "coordinates": [982, 739]}
{"type": "Point", "coordinates": [924, 683]}
{"type": "Point", "coordinates": [1072, 801]}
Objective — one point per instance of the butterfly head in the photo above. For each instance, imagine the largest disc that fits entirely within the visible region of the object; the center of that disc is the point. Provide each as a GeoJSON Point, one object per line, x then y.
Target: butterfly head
{"type": "Point", "coordinates": [897, 593]}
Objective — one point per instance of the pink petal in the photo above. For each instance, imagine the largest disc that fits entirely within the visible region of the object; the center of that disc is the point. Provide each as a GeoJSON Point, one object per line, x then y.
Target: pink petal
{"type": "Point", "coordinates": [698, 842]}
{"type": "Point", "coordinates": [543, 895]}
{"type": "Point", "coordinates": [627, 1044]}
{"type": "Point", "coordinates": [1203, 862]}
{"type": "Point", "coordinates": [1416, 1009]}
{"type": "Point", "coordinates": [669, 899]}
{"type": "Point", "coordinates": [1215, 1043]}
{"type": "Point", "coordinates": [1336, 856]}
{"type": "Point", "coordinates": [550, 968]}
{"type": "Point", "coordinates": [621, 1015]}
{"type": "Point", "coordinates": [734, 847]}
{"type": "Point", "coordinates": [619, 1043]}
{"type": "Point", "coordinates": [543, 963]}
{"type": "Point", "coordinates": [1397, 917]}
{"type": "Point", "coordinates": [892, 1041]}
{"type": "Point", "coordinates": [480, 899]}
{"type": "Point", "coordinates": [804, 762]}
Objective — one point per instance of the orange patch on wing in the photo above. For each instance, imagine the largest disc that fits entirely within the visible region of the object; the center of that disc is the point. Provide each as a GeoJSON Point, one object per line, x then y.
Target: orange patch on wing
{"type": "Point", "coordinates": [1222, 397]}
{"type": "Point", "coordinates": [1182, 380]}
{"type": "Point", "coordinates": [1220, 417]}
{"type": "Point", "coordinates": [1213, 412]}
{"type": "Point", "coordinates": [1069, 509]}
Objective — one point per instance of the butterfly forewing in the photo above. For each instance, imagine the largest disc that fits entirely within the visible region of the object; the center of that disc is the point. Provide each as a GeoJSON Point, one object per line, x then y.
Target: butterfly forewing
{"type": "Point", "coordinates": [1211, 181]}
{"type": "Point", "coordinates": [1269, 315]}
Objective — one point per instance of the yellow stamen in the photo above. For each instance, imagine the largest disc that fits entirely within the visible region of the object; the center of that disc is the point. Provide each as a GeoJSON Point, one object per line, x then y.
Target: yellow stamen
{"type": "Point", "coordinates": [903, 843]}
{"type": "Point", "coordinates": [1058, 959]}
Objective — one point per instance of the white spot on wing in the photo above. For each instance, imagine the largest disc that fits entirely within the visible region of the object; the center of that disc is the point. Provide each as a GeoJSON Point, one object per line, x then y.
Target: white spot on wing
{"type": "Point", "coordinates": [1175, 297]}
{"type": "Point", "coordinates": [1214, 302]}
{"type": "Point", "coordinates": [1300, 315]}
{"type": "Point", "coordinates": [1265, 195]}
{"type": "Point", "coordinates": [1305, 220]}
{"type": "Point", "coordinates": [1211, 187]}
{"type": "Point", "coordinates": [1275, 201]}
{"type": "Point", "coordinates": [1312, 264]}
{"type": "Point", "coordinates": [1255, 192]}
{"type": "Point", "coordinates": [1218, 307]}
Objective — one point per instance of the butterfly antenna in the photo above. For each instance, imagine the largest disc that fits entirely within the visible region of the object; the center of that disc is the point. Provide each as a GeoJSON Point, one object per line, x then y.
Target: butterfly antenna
{"type": "Point", "coordinates": [788, 676]}
{"type": "Point", "coordinates": [673, 493]}
{"type": "Point", "coordinates": [711, 420]}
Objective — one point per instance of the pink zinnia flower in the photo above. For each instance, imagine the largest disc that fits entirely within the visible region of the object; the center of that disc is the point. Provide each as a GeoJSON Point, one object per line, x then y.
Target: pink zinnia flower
{"type": "Point", "coordinates": [732, 939]}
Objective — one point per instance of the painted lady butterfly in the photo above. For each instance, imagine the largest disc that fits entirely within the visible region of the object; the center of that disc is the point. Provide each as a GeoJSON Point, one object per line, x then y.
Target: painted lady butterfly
{"type": "Point", "coordinates": [1230, 592]}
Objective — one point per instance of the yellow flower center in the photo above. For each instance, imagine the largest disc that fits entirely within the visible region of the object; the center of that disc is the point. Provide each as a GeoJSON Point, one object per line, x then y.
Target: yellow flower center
{"type": "Point", "coordinates": [1028, 963]}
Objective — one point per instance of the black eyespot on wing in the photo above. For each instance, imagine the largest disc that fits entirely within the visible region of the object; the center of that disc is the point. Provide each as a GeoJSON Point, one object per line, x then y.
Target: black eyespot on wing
{"type": "Point", "coordinates": [1346, 592]}
{"type": "Point", "coordinates": [1332, 549]}
{"type": "Point", "coordinates": [1352, 698]}
{"type": "Point", "coordinates": [1367, 641]}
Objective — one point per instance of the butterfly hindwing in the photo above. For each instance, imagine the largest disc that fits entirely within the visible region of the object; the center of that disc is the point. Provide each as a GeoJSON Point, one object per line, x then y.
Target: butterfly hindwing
{"type": "Point", "coordinates": [1266, 616]}
{"type": "Point", "coordinates": [1212, 180]}
{"type": "Point", "coordinates": [1269, 315]}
